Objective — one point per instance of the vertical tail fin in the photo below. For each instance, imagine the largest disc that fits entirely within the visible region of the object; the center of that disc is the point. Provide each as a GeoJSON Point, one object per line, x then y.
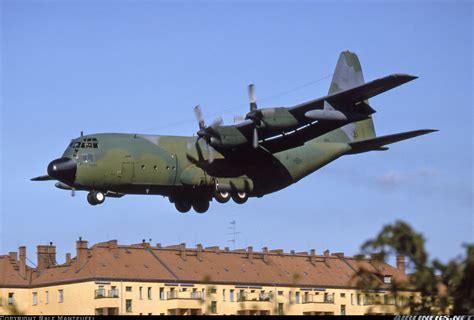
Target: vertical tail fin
{"type": "Point", "coordinates": [348, 74]}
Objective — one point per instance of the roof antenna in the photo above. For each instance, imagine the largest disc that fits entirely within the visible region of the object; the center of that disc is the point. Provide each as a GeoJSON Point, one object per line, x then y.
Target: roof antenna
{"type": "Point", "coordinates": [82, 133]}
{"type": "Point", "coordinates": [233, 233]}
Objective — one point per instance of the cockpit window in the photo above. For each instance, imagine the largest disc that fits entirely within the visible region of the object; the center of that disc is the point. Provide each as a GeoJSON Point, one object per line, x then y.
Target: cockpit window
{"type": "Point", "coordinates": [86, 143]}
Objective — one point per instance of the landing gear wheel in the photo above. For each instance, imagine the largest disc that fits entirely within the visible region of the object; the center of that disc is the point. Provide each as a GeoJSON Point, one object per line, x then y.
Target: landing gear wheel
{"type": "Point", "coordinates": [201, 206]}
{"type": "Point", "coordinates": [95, 197]}
{"type": "Point", "coordinates": [183, 206]}
{"type": "Point", "coordinates": [222, 197]}
{"type": "Point", "coordinates": [240, 197]}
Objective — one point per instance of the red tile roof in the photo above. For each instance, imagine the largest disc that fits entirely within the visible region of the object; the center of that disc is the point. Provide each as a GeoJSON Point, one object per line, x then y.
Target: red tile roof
{"type": "Point", "coordinates": [177, 264]}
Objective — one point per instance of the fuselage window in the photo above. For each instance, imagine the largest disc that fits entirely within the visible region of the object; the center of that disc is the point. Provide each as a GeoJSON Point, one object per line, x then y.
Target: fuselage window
{"type": "Point", "coordinates": [87, 157]}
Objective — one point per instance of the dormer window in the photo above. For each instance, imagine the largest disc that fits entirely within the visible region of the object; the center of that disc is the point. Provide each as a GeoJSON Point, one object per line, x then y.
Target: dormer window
{"type": "Point", "coordinates": [387, 279]}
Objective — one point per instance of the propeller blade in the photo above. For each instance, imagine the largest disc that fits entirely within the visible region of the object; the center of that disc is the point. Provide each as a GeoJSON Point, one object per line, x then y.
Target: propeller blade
{"type": "Point", "coordinates": [253, 100]}
{"type": "Point", "coordinates": [199, 117]}
{"type": "Point", "coordinates": [255, 138]}
{"type": "Point", "coordinates": [216, 123]}
{"type": "Point", "coordinates": [238, 119]}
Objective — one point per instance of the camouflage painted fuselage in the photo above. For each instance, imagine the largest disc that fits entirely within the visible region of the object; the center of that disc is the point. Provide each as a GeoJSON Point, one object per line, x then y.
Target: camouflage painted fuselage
{"type": "Point", "coordinates": [177, 167]}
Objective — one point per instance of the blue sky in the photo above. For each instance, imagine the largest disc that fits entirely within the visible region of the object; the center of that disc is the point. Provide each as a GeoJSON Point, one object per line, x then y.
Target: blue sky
{"type": "Point", "coordinates": [141, 66]}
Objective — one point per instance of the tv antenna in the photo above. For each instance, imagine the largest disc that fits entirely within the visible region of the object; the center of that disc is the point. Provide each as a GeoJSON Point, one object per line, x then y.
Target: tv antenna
{"type": "Point", "coordinates": [233, 233]}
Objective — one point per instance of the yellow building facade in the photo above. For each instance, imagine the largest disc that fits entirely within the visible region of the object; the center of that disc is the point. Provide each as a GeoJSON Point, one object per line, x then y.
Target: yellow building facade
{"type": "Point", "coordinates": [152, 280]}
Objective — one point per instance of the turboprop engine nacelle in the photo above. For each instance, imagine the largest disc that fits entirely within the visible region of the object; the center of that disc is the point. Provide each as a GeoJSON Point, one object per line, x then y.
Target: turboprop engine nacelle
{"type": "Point", "coordinates": [273, 118]}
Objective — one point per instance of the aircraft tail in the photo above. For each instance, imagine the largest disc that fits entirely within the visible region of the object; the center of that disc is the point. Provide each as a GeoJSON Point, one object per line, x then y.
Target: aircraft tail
{"type": "Point", "coordinates": [348, 74]}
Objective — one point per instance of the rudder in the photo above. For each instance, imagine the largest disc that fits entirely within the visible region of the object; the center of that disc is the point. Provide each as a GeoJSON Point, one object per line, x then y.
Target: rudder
{"type": "Point", "coordinates": [348, 74]}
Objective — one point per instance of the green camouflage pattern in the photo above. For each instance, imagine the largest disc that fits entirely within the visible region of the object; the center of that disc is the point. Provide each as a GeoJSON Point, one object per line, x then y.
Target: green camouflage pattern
{"type": "Point", "coordinates": [178, 167]}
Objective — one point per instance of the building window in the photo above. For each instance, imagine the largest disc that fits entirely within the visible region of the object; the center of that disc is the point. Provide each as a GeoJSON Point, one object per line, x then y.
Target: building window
{"type": "Point", "coordinates": [232, 295]}
{"type": "Point", "coordinates": [35, 298]}
{"type": "Point", "coordinates": [352, 299]}
{"type": "Point", "coordinates": [387, 279]}
{"type": "Point", "coordinates": [280, 293]}
{"type": "Point", "coordinates": [290, 296]}
{"type": "Point", "coordinates": [223, 294]}
{"type": "Point", "coordinates": [128, 289]}
{"type": "Point", "coordinates": [358, 300]}
{"type": "Point", "coordinates": [203, 294]}
{"type": "Point", "coordinates": [60, 295]}
{"type": "Point", "coordinates": [140, 293]}
{"type": "Point", "coordinates": [128, 305]}
{"type": "Point", "coordinates": [113, 292]}
{"type": "Point", "coordinates": [213, 290]}
{"type": "Point", "coordinates": [46, 297]}
{"type": "Point", "coordinates": [11, 298]}
{"type": "Point", "coordinates": [280, 309]}
{"type": "Point", "coordinates": [149, 293]}
{"type": "Point", "coordinates": [162, 293]}
{"type": "Point", "coordinates": [343, 295]}
{"type": "Point", "coordinates": [343, 309]}
{"type": "Point", "coordinates": [214, 307]}
{"type": "Point", "coordinates": [297, 297]}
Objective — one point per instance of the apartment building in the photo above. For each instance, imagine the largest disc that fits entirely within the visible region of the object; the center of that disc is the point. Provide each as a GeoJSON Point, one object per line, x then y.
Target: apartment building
{"type": "Point", "coordinates": [141, 279]}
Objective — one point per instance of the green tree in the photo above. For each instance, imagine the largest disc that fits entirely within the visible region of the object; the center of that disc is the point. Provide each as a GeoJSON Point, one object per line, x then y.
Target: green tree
{"type": "Point", "coordinates": [443, 288]}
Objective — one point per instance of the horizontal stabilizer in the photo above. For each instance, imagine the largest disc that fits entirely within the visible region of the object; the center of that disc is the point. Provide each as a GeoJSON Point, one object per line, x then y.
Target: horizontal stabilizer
{"type": "Point", "coordinates": [379, 142]}
{"type": "Point", "coordinates": [42, 178]}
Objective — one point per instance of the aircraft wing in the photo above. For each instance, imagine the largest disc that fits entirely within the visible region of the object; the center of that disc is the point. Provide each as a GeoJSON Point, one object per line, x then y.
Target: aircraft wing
{"type": "Point", "coordinates": [350, 97]}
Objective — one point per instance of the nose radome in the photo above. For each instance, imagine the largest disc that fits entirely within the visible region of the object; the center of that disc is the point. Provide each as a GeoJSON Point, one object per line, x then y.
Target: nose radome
{"type": "Point", "coordinates": [63, 169]}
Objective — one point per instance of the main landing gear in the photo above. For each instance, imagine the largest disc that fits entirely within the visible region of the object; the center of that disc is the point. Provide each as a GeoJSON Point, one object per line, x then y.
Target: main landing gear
{"type": "Point", "coordinates": [200, 206]}
{"type": "Point", "coordinates": [224, 196]}
{"type": "Point", "coordinates": [95, 197]}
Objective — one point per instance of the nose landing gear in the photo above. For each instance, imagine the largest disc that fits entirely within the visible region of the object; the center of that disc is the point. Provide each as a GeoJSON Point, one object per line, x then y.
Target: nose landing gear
{"type": "Point", "coordinates": [95, 197]}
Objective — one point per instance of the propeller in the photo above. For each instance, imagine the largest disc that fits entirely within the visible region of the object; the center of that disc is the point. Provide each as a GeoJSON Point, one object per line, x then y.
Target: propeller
{"type": "Point", "coordinates": [253, 115]}
{"type": "Point", "coordinates": [206, 133]}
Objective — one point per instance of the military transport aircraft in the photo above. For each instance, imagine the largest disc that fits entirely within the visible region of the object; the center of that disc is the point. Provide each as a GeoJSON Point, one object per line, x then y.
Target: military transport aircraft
{"type": "Point", "coordinates": [268, 150]}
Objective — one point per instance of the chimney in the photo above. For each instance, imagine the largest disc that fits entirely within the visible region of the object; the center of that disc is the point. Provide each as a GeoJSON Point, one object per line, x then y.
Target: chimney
{"type": "Point", "coordinates": [265, 254]}
{"type": "Point", "coordinates": [42, 256]}
{"type": "Point", "coordinates": [250, 253]}
{"type": "Point", "coordinates": [22, 250]}
{"type": "Point", "coordinates": [81, 253]}
{"type": "Point", "coordinates": [12, 255]}
{"type": "Point", "coordinates": [68, 258]}
{"type": "Point", "coordinates": [199, 252]}
{"type": "Point", "coordinates": [51, 255]}
{"type": "Point", "coordinates": [312, 257]}
{"type": "Point", "coordinates": [401, 263]}
{"type": "Point", "coordinates": [182, 251]}
{"type": "Point", "coordinates": [326, 256]}
{"type": "Point", "coordinates": [158, 245]}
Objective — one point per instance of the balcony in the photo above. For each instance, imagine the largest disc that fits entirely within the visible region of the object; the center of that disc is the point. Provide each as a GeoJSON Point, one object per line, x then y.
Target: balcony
{"type": "Point", "coordinates": [256, 297]}
{"type": "Point", "coordinates": [102, 293]}
{"type": "Point", "coordinates": [312, 298]}
{"type": "Point", "coordinates": [184, 295]}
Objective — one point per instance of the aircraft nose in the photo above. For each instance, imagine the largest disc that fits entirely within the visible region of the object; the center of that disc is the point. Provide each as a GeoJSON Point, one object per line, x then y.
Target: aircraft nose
{"type": "Point", "coordinates": [63, 169]}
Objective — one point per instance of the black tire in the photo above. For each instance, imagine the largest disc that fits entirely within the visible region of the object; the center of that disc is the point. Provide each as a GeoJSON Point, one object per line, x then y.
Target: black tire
{"type": "Point", "coordinates": [222, 197]}
{"type": "Point", "coordinates": [183, 206]}
{"type": "Point", "coordinates": [240, 197]}
{"type": "Point", "coordinates": [201, 206]}
{"type": "Point", "coordinates": [99, 197]}
{"type": "Point", "coordinates": [90, 200]}
{"type": "Point", "coordinates": [95, 197]}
